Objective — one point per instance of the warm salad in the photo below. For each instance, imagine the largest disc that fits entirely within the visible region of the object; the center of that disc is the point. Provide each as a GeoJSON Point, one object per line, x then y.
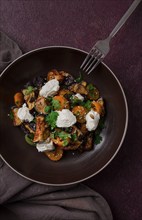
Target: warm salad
{"type": "Point", "coordinates": [59, 113]}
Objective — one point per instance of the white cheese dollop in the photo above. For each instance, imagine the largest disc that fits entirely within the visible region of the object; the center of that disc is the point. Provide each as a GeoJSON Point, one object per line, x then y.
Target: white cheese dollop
{"type": "Point", "coordinates": [80, 97]}
{"type": "Point", "coordinates": [65, 118]}
{"type": "Point", "coordinates": [24, 114]}
{"type": "Point", "coordinates": [92, 120]}
{"type": "Point", "coordinates": [50, 88]}
{"type": "Point", "coordinates": [47, 145]}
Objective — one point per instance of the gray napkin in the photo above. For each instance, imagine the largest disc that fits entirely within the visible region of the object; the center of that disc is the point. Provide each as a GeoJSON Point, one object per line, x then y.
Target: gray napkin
{"type": "Point", "coordinates": [23, 199]}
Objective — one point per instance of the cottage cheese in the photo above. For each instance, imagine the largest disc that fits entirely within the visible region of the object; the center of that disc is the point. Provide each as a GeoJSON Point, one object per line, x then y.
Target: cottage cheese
{"type": "Point", "coordinates": [24, 114]}
{"type": "Point", "coordinates": [50, 88]}
{"type": "Point", "coordinates": [92, 120]}
{"type": "Point", "coordinates": [47, 145]}
{"type": "Point", "coordinates": [65, 118]}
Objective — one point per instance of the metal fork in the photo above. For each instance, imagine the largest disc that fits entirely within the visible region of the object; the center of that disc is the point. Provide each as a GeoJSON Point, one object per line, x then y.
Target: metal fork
{"type": "Point", "coordinates": [102, 47]}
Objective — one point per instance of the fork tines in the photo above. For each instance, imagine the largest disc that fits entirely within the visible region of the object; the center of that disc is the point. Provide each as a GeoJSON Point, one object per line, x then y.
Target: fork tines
{"type": "Point", "coordinates": [91, 61]}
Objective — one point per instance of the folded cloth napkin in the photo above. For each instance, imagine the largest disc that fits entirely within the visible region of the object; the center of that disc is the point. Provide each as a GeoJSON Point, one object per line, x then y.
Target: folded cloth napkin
{"type": "Point", "coordinates": [32, 201]}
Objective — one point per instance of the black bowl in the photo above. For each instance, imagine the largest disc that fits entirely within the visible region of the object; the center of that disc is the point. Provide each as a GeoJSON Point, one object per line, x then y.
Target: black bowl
{"type": "Point", "coordinates": [73, 168]}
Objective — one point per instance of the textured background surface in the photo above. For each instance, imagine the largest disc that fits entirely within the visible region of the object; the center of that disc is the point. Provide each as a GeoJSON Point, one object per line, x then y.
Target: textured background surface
{"type": "Point", "coordinates": [80, 23]}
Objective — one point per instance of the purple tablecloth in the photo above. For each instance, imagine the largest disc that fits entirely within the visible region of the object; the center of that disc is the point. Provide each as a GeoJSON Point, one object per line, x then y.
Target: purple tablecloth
{"type": "Point", "coordinates": [80, 23]}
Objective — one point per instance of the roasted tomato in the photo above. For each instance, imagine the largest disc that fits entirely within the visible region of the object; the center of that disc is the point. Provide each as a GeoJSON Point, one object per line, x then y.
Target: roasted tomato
{"type": "Point", "coordinates": [18, 99]}
{"type": "Point", "coordinates": [60, 102]}
{"type": "Point", "coordinates": [80, 113]}
{"type": "Point", "coordinates": [98, 106]}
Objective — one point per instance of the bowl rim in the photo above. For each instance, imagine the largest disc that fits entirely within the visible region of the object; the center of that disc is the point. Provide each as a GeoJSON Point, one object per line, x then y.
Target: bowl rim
{"type": "Point", "coordinates": [126, 122]}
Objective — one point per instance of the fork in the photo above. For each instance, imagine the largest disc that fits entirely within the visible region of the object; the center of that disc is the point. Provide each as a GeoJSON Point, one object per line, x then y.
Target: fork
{"type": "Point", "coordinates": [102, 47]}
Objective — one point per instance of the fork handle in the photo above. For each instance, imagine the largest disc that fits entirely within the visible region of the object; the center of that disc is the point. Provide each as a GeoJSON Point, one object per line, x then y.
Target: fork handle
{"type": "Point", "coordinates": [124, 18]}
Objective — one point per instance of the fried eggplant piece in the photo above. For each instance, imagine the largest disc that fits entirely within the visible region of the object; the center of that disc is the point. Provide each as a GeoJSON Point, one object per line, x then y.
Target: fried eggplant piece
{"type": "Point", "coordinates": [55, 155]}
{"type": "Point", "coordinates": [78, 88]}
{"type": "Point", "coordinates": [16, 120]}
{"type": "Point", "coordinates": [54, 74]}
{"type": "Point", "coordinates": [30, 100]}
{"type": "Point", "coordinates": [40, 105]}
{"type": "Point", "coordinates": [40, 129]}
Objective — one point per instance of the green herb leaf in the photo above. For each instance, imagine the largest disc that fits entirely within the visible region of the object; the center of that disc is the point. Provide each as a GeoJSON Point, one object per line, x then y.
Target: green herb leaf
{"type": "Point", "coordinates": [49, 98]}
{"type": "Point", "coordinates": [65, 143]}
{"type": "Point", "coordinates": [63, 135]}
{"type": "Point", "coordinates": [80, 78]}
{"type": "Point", "coordinates": [51, 119]}
{"type": "Point", "coordinates": [87, 104]}
{"type": "Point", "coordinates": [90, 87]}
{"type": "Point", "coordinates": [74, 137]}
{"type": "Point", "coordinates": [11, 115]}
{"type": "Point", "coordinates": [101, 123]}
{"type": "Point", "coordinates": [98, 139]}
{"type": "Point", "coordinates": [28, 90]}
{"type": "Point", "coordinates": [47, 109]}
{"type": "Point", "coordinates": [56, 104]}
{"type": "Point", "coordinates": [17, 102]}
{"type": "Point", "coordinates": [75, 101]}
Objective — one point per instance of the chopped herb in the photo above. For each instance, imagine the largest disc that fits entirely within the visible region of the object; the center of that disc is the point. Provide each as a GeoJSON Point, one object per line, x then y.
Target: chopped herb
{"type": "Point", "coordinates": [47, 109]}
{"type": "Point", "coordinates": [31, 136]}
{"type": "Point", "coordinates": [11, 115]}
{"type": "Point", "coordinates": [51, 119]}
{"type": "Point", "coordinates": [74, 137]}
{"type": "Point", "coordinates": [75, 101]}
{"type": "Point", "coordinates": [49, 98]}
{"type": "Point", "coordinates": [90, 87]}
{"type": "Point", "coordinates": [17, 102]}
{"type": "Point", "coordinates": [98, 139]}
{"type": "Point", "coordinates": [101, 123]}
{"type": "Point", "coordinates": [34, 120]}
{"type": "Point", "coordinates": [52, 135]}
{"type": "Point", "coordinates": [80, 78]}
{"type": "Point", "coordinates": [64, 136]}
{"type": "Point", "coordinates": [28, 90]}
{"type": "Point", "coordinates": [65, 143]}
{"type": "Point", "coordinates": [56, 104]}
{"type": "Point", "coordinates": [93, 92]}
{"type": "Point", "coordinates": [87, 104]}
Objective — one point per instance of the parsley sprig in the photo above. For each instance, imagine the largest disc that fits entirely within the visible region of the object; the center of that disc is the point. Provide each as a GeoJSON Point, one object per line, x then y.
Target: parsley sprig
{"type": "Point", "coordinates": [51, 119]}
{"type": "Point", "coordinates": [56, 104]}
{"type": "Point", "coordinates": [98, 137]}
{"type": "Point", "coordinates": [28, 90]}
{"type": "Point", "coordinates": [64, 136]}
